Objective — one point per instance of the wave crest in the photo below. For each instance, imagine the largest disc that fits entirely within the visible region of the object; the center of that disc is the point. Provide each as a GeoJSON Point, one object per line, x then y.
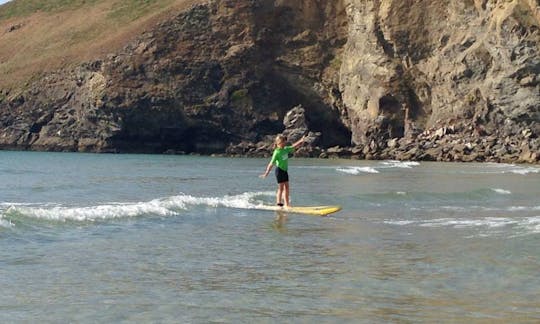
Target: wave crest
{"type": "Point", "coordinates": [389, 164]}
{"type": "Point", "coordinates": [529, 224]}
{"type": "Point", "coordinates": [357, 170]}
{"type": "Point", "coordinates": [170, 206]}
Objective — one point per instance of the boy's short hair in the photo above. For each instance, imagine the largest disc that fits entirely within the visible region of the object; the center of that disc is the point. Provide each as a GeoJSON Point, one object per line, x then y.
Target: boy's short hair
{"type": "Point", "coordinates": [280, 138]}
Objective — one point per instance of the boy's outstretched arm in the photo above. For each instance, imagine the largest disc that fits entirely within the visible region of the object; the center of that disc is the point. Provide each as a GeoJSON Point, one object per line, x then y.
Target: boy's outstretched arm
{"type": "Point", "coordinates": [268, 168]}
{"type": "Point", "coordinates": [299, 142]}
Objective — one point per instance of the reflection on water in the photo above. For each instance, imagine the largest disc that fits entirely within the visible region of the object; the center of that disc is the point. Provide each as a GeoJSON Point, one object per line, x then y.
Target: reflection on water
{"type": "Point", "coordinates": [280, 220]}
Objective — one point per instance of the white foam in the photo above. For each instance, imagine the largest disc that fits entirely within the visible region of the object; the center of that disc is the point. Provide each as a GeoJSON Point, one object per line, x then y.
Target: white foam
{"type": "Point", "coordinates": [357, 170]}
{"type": "Point", "coordinates": [525, 171]}
{"type": "Point", "coordinates": [530, 224]}
{"type": "Point", "coordinates": [502, 168]}
{"type": "Point", "coordinates": [523, 208]}
{"type": "Point", "coordinates": [5, 223]}
{"type": "Point", "coordinates": [399, 222]}
{"type": "Point", "coordinates": [491, 222]}
{"type": "Point", "coordinates": [243, 201]}
{"type": "Point", "coordinates": [6, 205]}
{"type": "Point", "coordinates": [169, 206]}
{"type": "Point", "coordinates": [92, 213]}
{"type": "Point", "coordinates": [501, 191]}
{"type": "Point", "coordinates": [400, 164]}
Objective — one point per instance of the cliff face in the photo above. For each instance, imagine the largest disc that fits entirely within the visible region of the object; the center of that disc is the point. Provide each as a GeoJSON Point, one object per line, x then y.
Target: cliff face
{"type": "Point", "coordinates": [464, 67]}
{"type": "Point", "coordinates": [454, 80]}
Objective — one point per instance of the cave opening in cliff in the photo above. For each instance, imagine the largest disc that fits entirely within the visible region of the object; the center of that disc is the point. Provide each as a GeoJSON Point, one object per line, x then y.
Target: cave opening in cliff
{"type": "Point", "coordinates": [320, 116]}
{"type": "Point", "coordinates": [393, 123]}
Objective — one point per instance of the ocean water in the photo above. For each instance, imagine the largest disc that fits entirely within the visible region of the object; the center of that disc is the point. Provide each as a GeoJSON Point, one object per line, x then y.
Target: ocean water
{"type": "Point", "coordinates": [170, 239]}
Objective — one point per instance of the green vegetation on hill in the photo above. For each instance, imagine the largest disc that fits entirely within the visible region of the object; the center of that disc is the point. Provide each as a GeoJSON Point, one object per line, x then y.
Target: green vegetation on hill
{"type": "Point", "coordinates": [131, 9]}
{"type": "Point", "coordinates": [39, 36]}
{"type": "Point", "coordinates": [127, 10]}
{"type": "Point", "coordinates": [23, 8]}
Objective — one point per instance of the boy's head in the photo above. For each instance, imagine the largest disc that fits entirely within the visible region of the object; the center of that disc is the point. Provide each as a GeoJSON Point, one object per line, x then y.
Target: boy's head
{"type": "Point", "coordinates": [281, 140]}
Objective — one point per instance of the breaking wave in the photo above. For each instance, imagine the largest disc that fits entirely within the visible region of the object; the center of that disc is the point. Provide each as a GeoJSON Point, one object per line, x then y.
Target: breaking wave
{"type": "Point", "coordinates": [400, 164]}
{"type": "Point", "coordinates": [529, 224]}
{"type": "Point", "coordinates": [169, 206]}
{"type": "Point", "coordinates": [501, 191]}
{"type": "Point", "coordinates": [356, 170]}
{"type": "Point", "coordinates": [504, 168]}
{"type": "Point", "coordinates": [482, 168]}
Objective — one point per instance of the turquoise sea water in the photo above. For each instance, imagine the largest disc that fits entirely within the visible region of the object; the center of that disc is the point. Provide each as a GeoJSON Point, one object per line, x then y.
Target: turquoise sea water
{"type": "Point", "coordinates": [149, 238]}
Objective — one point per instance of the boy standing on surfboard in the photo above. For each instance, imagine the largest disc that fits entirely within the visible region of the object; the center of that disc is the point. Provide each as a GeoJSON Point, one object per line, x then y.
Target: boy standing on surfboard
{"type": "Point", "coordinates": [280, 158]}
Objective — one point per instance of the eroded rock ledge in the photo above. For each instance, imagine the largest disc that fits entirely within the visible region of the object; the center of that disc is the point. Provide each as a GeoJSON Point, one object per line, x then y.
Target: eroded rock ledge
{"type": "Point", "coordinates": [413, 80]}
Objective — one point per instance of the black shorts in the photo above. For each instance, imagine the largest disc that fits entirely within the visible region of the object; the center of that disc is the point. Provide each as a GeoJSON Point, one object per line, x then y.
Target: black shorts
{"type": "Point", "coordinates": [281, 176]}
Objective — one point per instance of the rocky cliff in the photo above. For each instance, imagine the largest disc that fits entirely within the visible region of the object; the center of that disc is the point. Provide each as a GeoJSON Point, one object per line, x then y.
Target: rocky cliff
{"type": "Point", "coordinates": [431, 80]}
{"type": "Point", "coordinates": [453, 80]}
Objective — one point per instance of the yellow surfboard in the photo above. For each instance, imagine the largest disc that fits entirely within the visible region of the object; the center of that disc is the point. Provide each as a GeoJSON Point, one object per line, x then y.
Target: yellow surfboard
{"type": "Point", "coordinates": [311, 210]}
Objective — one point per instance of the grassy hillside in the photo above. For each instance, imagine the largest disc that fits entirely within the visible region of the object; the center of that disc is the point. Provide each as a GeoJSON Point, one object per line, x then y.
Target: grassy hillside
{"type": "Point", "coordinates": [37, 35]}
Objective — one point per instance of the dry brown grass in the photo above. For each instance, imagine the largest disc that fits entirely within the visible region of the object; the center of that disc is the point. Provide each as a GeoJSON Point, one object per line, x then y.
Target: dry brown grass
{"type": "Point", "coordinates": [46, 41]}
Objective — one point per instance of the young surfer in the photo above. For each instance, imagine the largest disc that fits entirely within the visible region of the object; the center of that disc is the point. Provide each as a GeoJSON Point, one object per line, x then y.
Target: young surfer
{"type": "Point", "coordinates": [280, 158]}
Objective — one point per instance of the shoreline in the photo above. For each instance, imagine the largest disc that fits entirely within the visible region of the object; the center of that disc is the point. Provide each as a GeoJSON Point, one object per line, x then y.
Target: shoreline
{"type": "Point", "coordinates": [410, 152]}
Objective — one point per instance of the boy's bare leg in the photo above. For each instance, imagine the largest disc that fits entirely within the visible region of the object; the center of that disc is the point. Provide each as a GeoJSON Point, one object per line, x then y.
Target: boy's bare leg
{"type": "Point", "coordinates": [279, 194]}
{"type": "Point", "coordinates": [286, 190]}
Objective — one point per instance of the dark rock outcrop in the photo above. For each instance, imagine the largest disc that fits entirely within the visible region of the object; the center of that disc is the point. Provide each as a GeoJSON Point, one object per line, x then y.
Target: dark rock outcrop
{"type": "Point", "coordinates": [419, 80]}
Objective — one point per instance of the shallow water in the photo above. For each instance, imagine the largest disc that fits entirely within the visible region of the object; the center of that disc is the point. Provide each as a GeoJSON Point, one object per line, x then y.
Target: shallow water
{"type": "Point", "coordinates": [149, 238]}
